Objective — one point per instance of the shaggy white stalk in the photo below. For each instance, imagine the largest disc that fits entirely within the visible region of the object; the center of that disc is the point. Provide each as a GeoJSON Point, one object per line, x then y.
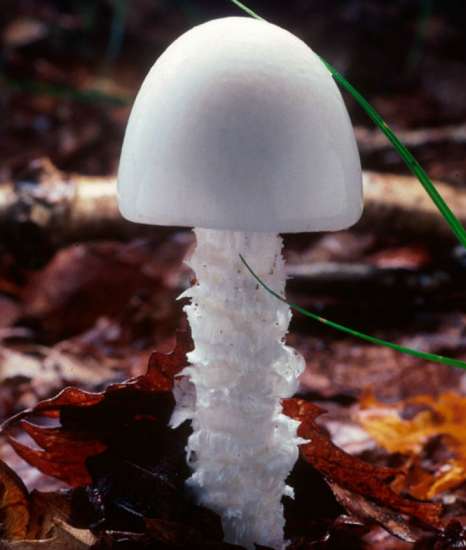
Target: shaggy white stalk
{"type": "Point", "coordinates": [243, 447]}
{"type": "Point", "coordinates": [251, 136]}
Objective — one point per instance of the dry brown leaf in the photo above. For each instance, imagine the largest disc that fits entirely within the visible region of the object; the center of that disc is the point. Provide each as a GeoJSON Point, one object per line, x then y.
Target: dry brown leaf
{"type": "Point", "coordinates": [36, 520]}
{"type": "Point", "coordinates": [63, 450]}
{"type": "Point", "coordinates": [86, 282]}
{"type": "Point", "coordinates": [63, 537]}
{"type": "Point", "coordinates": [35, 372]}
{"type": "Point", "coordinates": [46, 509]}
{"type": "Point", "coordinates": [361, 507]}
{"type": "Point", "coordinates": [375, 497]}
{"type": "Point", "coordinates": [14, 504]}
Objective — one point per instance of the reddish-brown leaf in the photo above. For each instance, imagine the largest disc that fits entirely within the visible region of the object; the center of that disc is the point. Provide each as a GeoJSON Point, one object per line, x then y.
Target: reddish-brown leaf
{"type": "Point", "coordinates": [91, 422]}
{"type": "Point", "coordinates": [82, 283]}
{"type": "Point", "coordinates": [72, 471]}
{"type": "Point", "coordinates": [69, 397]}
{"type": "Point", "coordinates": [87, 282]}
{"type": "Point", "coordinates": [351, 473]}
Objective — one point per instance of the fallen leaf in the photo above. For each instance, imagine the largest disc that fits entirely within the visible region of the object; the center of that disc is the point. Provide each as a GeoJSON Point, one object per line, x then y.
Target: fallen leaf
{"type": "Point", "coordinates": [362, 507]}
{"type": "Point", "coordinates": [351, 475]}
{"type": "Point", "coordinates": [129, 464]}
{"type": "Point", "coordinates": [63, 537]}
{"type": "Point", "coordinates": [34, 372]}
{"type": "Point", "coordinates": [14, 504]}
{"type": "Point", "coordinates": [101, 441]}
{"type": "Point", "coordinates": [28, 519]}
{"type": "Point", "coordinates": [85, 282]}
{"type": "Point", "coordinates": [91, 422]}
{"type": "Point", "coordinates": [46, 509]}
{"type": "Point", "coordinates": [408, 426]}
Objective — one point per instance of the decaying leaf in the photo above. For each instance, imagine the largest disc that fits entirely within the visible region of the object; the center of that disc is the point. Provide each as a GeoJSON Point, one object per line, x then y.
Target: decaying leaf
{"type": "Point", "coordinates": [409, 427]}
{"type": "Point", "coordinates": [362, 507]}
{"type": "Point", "coordinates": [14, 504]}
{"type": "Point", "coordinates": [118, 447]}
{"type": "Point", "coordinates": [92, 422]}
{"type": "Point", "coordinates": [46, 510]}
{"type": "Point", "coordinates": [130, 466]}
{"type": "Point", "coordinates": [350, 475]}
{"type": "Point", "coordinates": [62, 537]}
{"type": "Point", "coordinates": [86, 282]}
{"type": "Point", "coordinates": [36, 520]}
{"type": "Point", "coordinates": [36, 372]}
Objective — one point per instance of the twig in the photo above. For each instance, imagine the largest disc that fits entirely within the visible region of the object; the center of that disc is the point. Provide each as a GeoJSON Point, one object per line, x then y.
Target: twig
{"type": "Point", "coordinates": [398, 203]}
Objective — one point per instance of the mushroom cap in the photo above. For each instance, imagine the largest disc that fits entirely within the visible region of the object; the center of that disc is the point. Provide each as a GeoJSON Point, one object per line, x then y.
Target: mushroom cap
{"type": "Point", "coordinates": [240, 126]}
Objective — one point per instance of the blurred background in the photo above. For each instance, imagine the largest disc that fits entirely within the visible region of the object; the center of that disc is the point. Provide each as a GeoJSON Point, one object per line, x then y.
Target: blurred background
{"type": "Point", "coordinates": [69, 69]}
{"type": "Point", "coordinates": [75, 277]}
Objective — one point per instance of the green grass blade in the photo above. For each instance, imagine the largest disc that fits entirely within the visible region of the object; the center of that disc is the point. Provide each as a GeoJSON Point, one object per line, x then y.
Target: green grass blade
{"type": "Point", "coordinates": [413, 165]}
{"type": "Point", "coordinates": [347, 330]}
{"type": "Point", "coordinates": [247, 10]}
{"type": "Point", "coordinates": [429, 187]}
{"type": "Point", "coordinates": [454, 223]}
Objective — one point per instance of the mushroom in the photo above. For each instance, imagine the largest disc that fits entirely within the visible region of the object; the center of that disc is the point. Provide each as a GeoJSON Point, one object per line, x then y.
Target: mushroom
{"type": "Point", "coordinates": [240, 132]}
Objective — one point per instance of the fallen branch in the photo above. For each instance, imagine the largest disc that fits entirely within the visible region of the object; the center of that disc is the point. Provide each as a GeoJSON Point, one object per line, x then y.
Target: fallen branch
{"type": "Point", "coordinates": [399, 204]}
{"type": "Point", "coordinates": [371, 141]}
{"type": "Point", "coordinates": [64, 208]}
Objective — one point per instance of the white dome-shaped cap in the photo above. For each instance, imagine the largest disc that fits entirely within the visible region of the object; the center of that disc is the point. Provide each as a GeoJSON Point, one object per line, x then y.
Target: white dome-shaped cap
{"type": "Point", "coordinates": [240, 126]}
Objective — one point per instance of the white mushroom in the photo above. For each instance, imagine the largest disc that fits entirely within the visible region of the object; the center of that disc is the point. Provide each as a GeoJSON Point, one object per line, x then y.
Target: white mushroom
{"type": "Point", "coordinates": [239, 131]}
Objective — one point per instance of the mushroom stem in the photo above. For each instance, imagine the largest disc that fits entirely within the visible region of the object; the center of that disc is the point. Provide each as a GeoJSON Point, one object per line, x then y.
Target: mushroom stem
{"type": "Point", "coordinates": [242, 447]}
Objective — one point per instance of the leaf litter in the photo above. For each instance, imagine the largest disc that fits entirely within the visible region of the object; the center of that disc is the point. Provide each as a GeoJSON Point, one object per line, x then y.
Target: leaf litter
{"type": "Point", "coordinates": [93, 437]}
{"type": "Point", "coordinates": [126, 489]}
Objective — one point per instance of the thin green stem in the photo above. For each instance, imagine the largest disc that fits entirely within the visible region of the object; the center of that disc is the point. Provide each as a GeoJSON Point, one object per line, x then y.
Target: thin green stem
{"type": "Point", "coordinates": [429, 187]}
{"type": "Point", "coordinates": [247, 10]}
{"type": "Point", "coordinates": [357, 334]}
{"type": "Point", "coordinates": [413, 165]}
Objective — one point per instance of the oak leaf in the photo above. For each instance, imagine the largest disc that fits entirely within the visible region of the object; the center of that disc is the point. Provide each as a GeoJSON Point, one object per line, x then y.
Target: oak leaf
{"type": "Point", "coordinates": [90, 423]}
{"type": "Point", "coordinates": [374, 498]}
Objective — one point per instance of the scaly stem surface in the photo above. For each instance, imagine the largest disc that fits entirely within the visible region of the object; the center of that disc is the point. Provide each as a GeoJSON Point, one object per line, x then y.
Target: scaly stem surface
{"type": "Point", "coordinates": [242, 447]}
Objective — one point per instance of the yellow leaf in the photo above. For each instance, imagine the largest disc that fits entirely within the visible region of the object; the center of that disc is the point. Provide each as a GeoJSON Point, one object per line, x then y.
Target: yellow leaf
{"type": "Point", "coordinates": [407, 426]}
